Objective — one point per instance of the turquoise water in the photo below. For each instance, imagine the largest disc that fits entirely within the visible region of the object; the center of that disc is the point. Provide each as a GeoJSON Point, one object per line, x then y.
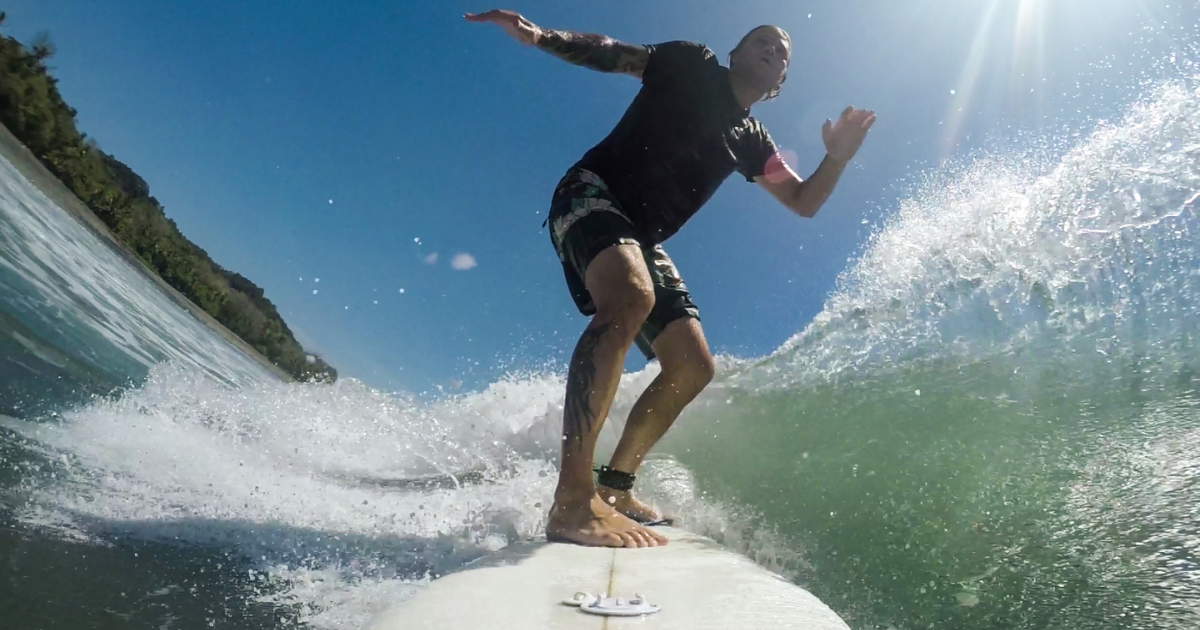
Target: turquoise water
{"type": "Point", "coordinates": [992, 424]}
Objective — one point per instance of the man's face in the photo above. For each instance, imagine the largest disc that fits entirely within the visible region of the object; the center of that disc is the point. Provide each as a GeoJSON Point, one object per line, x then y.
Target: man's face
{"type": "Point", "coordinates": [764, 55]}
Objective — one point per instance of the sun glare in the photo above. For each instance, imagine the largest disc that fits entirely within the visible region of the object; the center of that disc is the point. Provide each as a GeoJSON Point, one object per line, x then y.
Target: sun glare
{"type": "Point", "coordinates": [1022, 29]}
{"type": "Point", "coordinates": [1029, 41]}
{"type": "Point", "coordinates": [969, 77]}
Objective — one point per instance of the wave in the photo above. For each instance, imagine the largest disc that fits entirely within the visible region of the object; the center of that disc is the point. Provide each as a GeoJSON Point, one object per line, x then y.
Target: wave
{"type": "Point", "coordinates": [1093, 253]}
{"type": "Point", "coordinates": [345, 499]}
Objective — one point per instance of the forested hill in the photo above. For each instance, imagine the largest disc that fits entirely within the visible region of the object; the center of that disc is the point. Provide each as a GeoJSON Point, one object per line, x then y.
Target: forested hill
{"type": "Point", "coordinates": [32, 109]}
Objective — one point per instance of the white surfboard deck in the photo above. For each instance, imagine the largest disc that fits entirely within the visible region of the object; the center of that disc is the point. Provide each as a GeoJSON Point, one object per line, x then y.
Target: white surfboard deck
{"type": "Point", "coordinates": [697, 584]}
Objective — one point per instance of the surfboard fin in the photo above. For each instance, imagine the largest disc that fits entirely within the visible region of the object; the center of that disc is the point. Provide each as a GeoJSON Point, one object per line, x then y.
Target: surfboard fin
{"type": "Point", "coordinates": [612, 606]}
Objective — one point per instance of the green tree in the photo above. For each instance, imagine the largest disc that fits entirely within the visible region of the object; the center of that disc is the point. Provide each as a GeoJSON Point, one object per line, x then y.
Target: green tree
{"type": "Point", "coordinates": [33, 110]}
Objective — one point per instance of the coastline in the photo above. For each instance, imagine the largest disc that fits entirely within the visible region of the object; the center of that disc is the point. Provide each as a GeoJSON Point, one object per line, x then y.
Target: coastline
{"type": "Point", "coordinates": [23, 159]}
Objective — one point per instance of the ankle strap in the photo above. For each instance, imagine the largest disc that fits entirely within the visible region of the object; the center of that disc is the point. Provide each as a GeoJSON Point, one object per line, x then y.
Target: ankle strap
{"type": "Point", "coordinates": [615, 479]}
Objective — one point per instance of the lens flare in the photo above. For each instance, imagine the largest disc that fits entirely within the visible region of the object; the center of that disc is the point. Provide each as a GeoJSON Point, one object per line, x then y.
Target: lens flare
{"type": "Point", "coordinates": [780, 166]}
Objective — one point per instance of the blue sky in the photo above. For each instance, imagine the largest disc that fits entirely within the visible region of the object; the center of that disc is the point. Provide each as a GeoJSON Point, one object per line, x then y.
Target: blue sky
{"type": "Point", "coordinates": [304, 140]}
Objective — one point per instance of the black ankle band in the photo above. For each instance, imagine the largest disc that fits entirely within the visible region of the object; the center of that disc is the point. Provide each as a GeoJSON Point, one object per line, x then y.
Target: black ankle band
{"type": "Point", "coordinates": [614, 479]}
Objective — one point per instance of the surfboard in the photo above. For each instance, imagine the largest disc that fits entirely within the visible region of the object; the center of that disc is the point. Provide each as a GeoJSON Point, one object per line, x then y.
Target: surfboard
{"type": "Point", "coordinates": [696, 584]}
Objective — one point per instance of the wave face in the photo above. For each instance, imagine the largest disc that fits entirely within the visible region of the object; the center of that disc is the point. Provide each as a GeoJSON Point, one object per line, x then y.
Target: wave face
{"type": "Point", "coordinates": [992, 424]}
{"type": "Point", "coordinates": [76, 319]}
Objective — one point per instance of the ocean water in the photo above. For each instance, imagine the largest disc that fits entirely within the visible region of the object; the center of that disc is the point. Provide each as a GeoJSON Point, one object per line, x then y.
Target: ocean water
{"type": "Point", "coordinates": [994, 423]}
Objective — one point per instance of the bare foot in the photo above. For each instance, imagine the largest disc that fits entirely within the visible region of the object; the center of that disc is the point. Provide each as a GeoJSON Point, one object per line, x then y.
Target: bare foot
{"type": "Point", "coordinates": [595, 524]}
{"type": "Point", "coordinates": [624, 502]}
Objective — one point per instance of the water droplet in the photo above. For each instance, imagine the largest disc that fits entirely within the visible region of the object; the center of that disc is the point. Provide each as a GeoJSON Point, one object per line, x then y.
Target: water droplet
{"type": "Point", "coordinates": [967, 599]}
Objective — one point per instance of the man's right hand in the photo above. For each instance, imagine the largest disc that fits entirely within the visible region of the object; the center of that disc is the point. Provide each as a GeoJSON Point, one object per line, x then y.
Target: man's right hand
{"type": "Point", "coordinates": [512, 22]}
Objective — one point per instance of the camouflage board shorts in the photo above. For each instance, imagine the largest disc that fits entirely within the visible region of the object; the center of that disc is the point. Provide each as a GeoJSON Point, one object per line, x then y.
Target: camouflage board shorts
{"type": "Point", "coordinates": [585, 219]}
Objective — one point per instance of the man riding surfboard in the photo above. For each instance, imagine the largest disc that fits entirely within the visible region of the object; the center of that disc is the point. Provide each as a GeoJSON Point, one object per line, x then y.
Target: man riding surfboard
{"type": "Point", "coordinates": [687, 130]}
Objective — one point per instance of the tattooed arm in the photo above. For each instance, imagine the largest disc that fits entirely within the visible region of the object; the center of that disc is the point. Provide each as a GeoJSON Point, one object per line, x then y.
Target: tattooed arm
{"type": "Point", "coordinates": [597, 52]}
{"type": "Point", "coordinates": [590, 51]}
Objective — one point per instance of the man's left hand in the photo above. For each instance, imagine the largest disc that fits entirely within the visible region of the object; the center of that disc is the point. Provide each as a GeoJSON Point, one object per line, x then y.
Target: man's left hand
{"type": "Point", "coordinates": [844, 137]}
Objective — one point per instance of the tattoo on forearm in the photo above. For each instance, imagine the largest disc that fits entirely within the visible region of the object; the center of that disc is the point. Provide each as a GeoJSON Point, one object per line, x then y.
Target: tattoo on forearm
{"type": "Point", "coordinates": [578, 415]}
{"type": "Point", "coordinates": [594, 51]}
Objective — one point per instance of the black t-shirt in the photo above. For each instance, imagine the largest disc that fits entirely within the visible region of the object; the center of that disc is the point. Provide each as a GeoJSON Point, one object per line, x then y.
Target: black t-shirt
{"type": "Point", "coordinates": [682, 136]}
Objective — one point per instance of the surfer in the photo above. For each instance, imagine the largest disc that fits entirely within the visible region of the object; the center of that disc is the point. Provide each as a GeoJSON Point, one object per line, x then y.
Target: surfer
{"type": "Point", "coordinates": [687, 130]}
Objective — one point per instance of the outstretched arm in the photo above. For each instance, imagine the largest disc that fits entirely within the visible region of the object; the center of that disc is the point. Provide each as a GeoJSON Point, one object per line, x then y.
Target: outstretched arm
{"type": "Point", "coordinates": [597, 52]}
{"type": "Point", "coordinates": [806, 196]}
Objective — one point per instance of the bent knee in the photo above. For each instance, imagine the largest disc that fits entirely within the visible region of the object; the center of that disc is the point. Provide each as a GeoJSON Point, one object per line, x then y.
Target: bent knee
{"type": "Point", "coordinates": [628, 312]}
{"type": "Point", "coordinates": [704, 370]}
{"type": "Point", "coordinates": [693, 374]}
